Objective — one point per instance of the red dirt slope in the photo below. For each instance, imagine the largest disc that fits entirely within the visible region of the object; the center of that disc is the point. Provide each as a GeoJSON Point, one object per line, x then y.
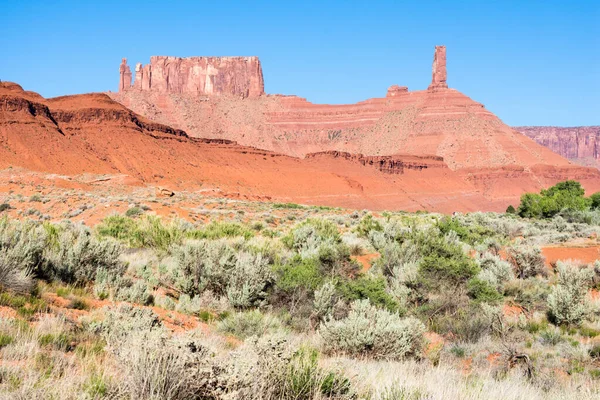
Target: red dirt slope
{"type": "Point", "coordinates": [93, 134]}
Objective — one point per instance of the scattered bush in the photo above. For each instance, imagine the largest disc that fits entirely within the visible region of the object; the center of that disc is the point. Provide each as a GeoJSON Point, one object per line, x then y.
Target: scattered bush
{"type": "Point", "coordinates": [567, 299]}
{"type": "Point", "coordinates": [368, 224]}
{"type": "Point", "coordinates": [482, 291]}
{"type": "Point", "coordinates": [149, 231]}
{"type": "Point", "coordinates": [249, 323]}
{"type": "Point", "coordinates": [371, 288]}
{"type": "Point", "coordinates": [373, 332]}
{"type": "Point", "coordinates": [134, 212]}
{"type": "Point", "coordinates": [527, 261]}
{"type": "Point", "coordinates": [79, 255]}
{"type": "Point", "coordinates": [218, 230]}
{"type": "Point", "coordinates": [21, 254]}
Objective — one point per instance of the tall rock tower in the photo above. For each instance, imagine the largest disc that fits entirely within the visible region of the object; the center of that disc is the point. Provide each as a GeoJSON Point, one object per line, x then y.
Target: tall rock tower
{"type": "Point", "coordinates": [124, 76]}
{"type": "Point", "coordinates": [438, 79]}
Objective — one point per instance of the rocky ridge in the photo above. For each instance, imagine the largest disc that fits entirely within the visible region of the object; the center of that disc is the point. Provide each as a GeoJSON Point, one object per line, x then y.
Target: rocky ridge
{"type": "Point", "coordinates": [92, 134]}
{"type": "Point", "coordinates": [237, 76]}
{"type": "Point", "coordinates": [580, 144]}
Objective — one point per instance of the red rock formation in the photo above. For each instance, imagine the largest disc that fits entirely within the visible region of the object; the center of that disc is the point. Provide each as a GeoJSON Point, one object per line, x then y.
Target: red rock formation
{"type": "Point", "coordinates": [579, 144]}
{"type": "Point", "coordinates": [472, 141]}
{"type": "Point", "coordinates": [438, 79]}
{"type": "Point", "coordinates": [396, 90]}
{"type": "Point", "coordinates": [91, 133]}
{"type": "Point", "coordinates": [396, 164]}
{"type": "Point", "coordinates": [124, 76]}
{"type": "Point", "coordinates": [238, 76]}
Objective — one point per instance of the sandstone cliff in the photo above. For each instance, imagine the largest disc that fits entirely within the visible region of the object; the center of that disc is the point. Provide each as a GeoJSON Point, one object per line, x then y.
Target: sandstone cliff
{"type": "Point", "coordinates": [91, 133]}
{"type": "Point", "coordinates": [579, 144]}
{"type": "Point", "coordinates": [439, 121]}
{"type": "Point", "coordinates": [237, 76]}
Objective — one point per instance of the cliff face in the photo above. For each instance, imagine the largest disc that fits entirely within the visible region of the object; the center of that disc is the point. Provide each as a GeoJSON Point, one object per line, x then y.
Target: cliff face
{"type": "Point", "coordinates": [579, 144]}
{"type": "Point", "coordinates": [90, 133]}
{"type": "Point", "coordinates": [238, 76]}
{"type": "Point", "coordinates": [439, 121]}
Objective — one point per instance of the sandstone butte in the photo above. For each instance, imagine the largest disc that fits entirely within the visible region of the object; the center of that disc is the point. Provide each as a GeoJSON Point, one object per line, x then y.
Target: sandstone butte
{"type": "Point", "coordinates": [579, 144]}
{"type": "Point", "coordinates": [93, 134]}
{"type": "Point", "coordinates": [482, 151]}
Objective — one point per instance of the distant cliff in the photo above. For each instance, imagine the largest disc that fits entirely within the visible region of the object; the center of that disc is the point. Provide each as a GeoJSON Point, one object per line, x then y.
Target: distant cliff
{"type": "Point", "coordinates": [579, 144]}
{"type": "Point", "coordinates": [238, 76]}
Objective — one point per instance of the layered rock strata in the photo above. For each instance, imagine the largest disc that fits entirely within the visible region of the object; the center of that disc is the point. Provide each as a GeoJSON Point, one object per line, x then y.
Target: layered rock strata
{"type": "Point", "coordinates": [439, 121]}
{"type": "Point", "coordinates": [579, 144]}
{"type": "Point", "coordinates": [92, 134]}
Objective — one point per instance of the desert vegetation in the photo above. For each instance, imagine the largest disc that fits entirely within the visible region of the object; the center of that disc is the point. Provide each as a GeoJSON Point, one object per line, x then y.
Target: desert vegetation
{"type": "Point", "coordinates": [287, 301]}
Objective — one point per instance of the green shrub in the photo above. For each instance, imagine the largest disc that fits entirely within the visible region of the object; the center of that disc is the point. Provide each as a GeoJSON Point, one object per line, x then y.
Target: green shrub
{"type": "Point", "coordinates": [511, 210]}
{"type": "Point", "coordinates": [588, 332]}
{"type": "Point", "coordinates": [595, 373]}
{"type": "Point", "coordinates": [213, 265]}
{"type": "Point", "coordinates": [249, 323]}
{"type": "Point", "coordinates": [5, 340]}
{"type": "Point", "coordinates": [149, 231]}
{"type": "Point", "coordinates": [471, 233]}
{"type": "Point", "coordinates": [22, 246]}
{"type": "Point", "coordinates": [373, 332]}
{"type": "Point", "coordinates": [310, 233]}
{"type": "Point", "coordinates": [444, 262]}
{"type": "Point", "coordinates": [458, 351]}
{"type": "Point", "coordinates": [494, 269]}
{"type": "Point", "coordinates": [79, 255]}
{"type": "Point", "coordinates": [277, 371]}
{"type": "Point", "coordinates": [567, 195]}
{"type": "Point", "coordinates": [96, 387]}
{"type": "Point", "coordinates": [527, 261]}
{"type": "Point", "coordinates": [567, 299]}
{"type": "Point", "coordinates": [467, 323]}
{"type": "Point", "coordinates": [595, 201]}
{"type": "Point", "coordinates": [4, 207]}
{"type": "Point", "coordinates": [289, 206]}
{"type": "Point", "coordinates": [304, 379]}
{"type": "Point", "coordinates": [595, 352]}
{"type": "Point", "coordinates": [218, 230]}
{"type": "Point", "coordinates": [368, 224]}
{"type": "Point", "coordinates": [299, 273]}
{"type": "Point", "coordinates": [78, 304]}
{"type": "Point", "coordinates": [134, 212]}
{"type": "Point", "coordinates": [371, 288]}
{"type": "Point", "coordinates": [551, 337]}
{"type": "Point", "coordinates": [482, 291]}
{"type": "Point", "coordinates": [118, 227]}
{"type": "Point", "coordinates": [60, 341]}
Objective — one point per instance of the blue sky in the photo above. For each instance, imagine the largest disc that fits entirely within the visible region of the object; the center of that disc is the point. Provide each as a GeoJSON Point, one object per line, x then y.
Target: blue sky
{"type": "Point", "coordinates": [530, 62]}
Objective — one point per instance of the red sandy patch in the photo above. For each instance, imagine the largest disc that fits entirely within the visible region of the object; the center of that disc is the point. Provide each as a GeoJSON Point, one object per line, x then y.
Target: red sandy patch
{"type": "Point", "coordinates": [493, 358]}
{"type": "Point", "coordinates": [366, 260]}
{"type": "Point", "coordinates": [583, 254]}
{"type": "Point", "coordinates": [434, 342]}
{"type": "Point", "coordinates": [512, 310]}
{"type": "Point", "coordinates": [172, 320]}
{"type": "Point", "coordinates": [7, 312]}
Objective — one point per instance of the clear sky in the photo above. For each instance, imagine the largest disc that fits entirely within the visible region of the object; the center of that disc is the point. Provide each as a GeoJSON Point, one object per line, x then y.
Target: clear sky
{"type": "Point", "coordinates": [530, 62]}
